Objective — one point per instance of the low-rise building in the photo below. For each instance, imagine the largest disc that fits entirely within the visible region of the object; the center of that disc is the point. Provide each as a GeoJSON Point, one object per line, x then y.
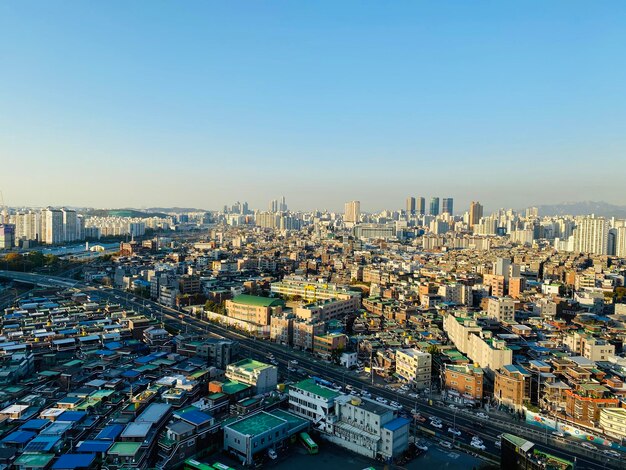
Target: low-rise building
{"type": "Point", "coordinates": [414, 367]}
{"type": "Point", "coordinates": [257, 374]}
{"type": "Point", "coordinates": [464, 379]}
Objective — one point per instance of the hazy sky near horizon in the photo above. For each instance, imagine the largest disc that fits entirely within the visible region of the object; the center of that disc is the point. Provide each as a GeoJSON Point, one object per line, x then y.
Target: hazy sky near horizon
{"type": "Point", "coordinates": [155, 103]}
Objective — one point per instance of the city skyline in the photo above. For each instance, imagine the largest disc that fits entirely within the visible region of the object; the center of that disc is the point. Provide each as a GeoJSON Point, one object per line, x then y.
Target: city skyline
{"type": "Point", "coordinates": [115, 107]}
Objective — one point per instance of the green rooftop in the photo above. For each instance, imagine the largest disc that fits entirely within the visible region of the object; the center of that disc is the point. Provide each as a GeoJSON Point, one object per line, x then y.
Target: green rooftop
{"type": "Point", "coordinates": [249, 365]}
{"type": "Point", "coordinates": [230, 388]}
{"type": "Point", "coordinates": [309, 385]}
{"type": "Point", "coordinates": [256, 424]}
{"type": "Point", "coordinates": [34, 460]}
{"type": "Point", "coordinates": [256, 301]}
{"type": "Point", "coordinates": [124, 449]}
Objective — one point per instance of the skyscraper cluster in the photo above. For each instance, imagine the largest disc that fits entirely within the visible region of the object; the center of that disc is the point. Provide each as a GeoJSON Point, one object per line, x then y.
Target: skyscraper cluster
{"type": "Point", "coordinates": [417, 206]}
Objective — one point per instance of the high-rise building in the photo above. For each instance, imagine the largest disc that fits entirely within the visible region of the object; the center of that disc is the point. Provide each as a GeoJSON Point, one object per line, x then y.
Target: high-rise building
{"type": "Point", "coordinates": [7, 236]}
{"type": "Point", "coordinates": [434, 206]}
{"type": "Point", "coordinates": [70, 230]}
{"type": "Point", "coordinates": [620, 242]}
{"type": "Point", "coordinates": [591, 235]}
{"type": "Point", "coordinates": [448, 205]}
{"type": "Point", "coordinates": [352, 212]}
{"type": "Point", "coordinates": [52, 231]}
{"type": "Point", "coordinates": [410, 206]}
{"type": "Point", "coordinates": [475, 213]}
{"type": "Point", "coordinates": [421, 206]}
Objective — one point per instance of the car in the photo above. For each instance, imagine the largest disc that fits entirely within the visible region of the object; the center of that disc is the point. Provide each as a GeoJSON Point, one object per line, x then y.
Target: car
{"type": "Point", "coordinates": [294, 362]}
{"type": "Point", "coordinates": [478, 445]}
{"type": "Point", "coordinates": [456, 432]}
{"type": "Point", "coordinates": [272, 454]}
{"type": "Point", "coordinates": [402, 392]}
{"type": "Point", "coordinates": [404, 387]}
{"type": "Point", "coordinates": [612, 453]}
{"type": "Point", "coordinates": [413, 395]}
{"type": "Point", "coordinates": [498, 443]}
{"type": "Point", "coordinates": [381, 400]}
{"type": "Point", "coordinates": [588, 446]}
{"type": "Point", "coordinates": [291, 369]}
{"type": "Point", "coordinates": [445, 444]}
{"type": "Point", "coordinates": [452, 407]}
{"type": "Point", "coordinates": [421, 447]}
{"type": "Point", "coordinates": [396, 405]}
{"type": "Point", "coordinates": [482, 415]}
{"type": "Point", "coordinates": [477, 440]}
{"type": "Point", "coordinates": [366, 394]}
{"type": "Point", "coordinates": [558, 434]}
{"type": "Point", "coordinates": [436, 424]}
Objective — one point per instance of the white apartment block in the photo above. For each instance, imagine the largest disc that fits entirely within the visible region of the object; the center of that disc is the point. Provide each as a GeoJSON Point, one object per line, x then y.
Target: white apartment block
{"type": "Point", "coordinates": [490, 354]}
{"type": "Point", "coordinates": [414, 367]}
{"type": "Point", "coordinates": [501, 309]}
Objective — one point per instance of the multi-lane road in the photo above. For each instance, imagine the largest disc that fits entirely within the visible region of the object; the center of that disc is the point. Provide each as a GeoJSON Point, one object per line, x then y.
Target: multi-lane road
{"type": "Point", "coordinates": [464, 420]}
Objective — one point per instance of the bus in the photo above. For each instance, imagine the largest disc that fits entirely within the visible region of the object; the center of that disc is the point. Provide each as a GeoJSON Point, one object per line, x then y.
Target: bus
{"type": "Point", "coordinates": [192, 464]}
{"type": "Point", "coordinates": [221, 466]}
{"type": "Point", "coordinates": [309, 443]}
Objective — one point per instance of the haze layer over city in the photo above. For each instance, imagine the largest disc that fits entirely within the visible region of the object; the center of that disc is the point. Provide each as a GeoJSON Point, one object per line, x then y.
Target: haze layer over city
{"type": "Point", "coordinates": [349, 235]}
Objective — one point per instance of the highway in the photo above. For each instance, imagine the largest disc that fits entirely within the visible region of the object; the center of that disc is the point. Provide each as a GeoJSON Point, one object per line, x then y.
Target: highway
{"type": "Point", "coordinates": [464, 420]}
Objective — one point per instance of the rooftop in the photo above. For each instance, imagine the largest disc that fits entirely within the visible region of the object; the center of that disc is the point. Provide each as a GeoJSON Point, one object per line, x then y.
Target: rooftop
{"type": "Point", "coordinates": [256, 424]}
{"type": "Point", "coordinates": [309, 385]}
{"type": "Point", "coordinates": [257, 301]}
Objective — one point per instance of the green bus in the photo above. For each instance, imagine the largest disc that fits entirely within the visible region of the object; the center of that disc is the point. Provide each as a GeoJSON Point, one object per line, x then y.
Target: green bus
{"type": "Point", "coordinates": [309, 443]}
{"type": "Point", "coordinates": [221, 466]}
{"type": "Point", "coordinates": [192, 464]}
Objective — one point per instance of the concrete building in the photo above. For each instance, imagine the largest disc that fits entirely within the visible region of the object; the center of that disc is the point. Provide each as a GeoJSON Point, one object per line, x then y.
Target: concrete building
{"type": "Point", "coordinates": [7, 236]}
{"type": "Point", "coordinates": [588, 346]}
{"type": "Point", "coordinates": [328, 309]}
{"type": "Point", "coordinates": [312, 401]}
{"type": "Point", "coordinates": [420, 208]}
{"type": "Point", "coordinates": [512, 386]}
{"type": "Point", "coordinates": [501, 309]}
{"type": "Point", "coordinates": [253, 309]}
{"type": "Point", "coordinates": [466, 380]}
{"type": "Point", "coordinates": [368, 428]}
{"type": "Point", "coordinates": [613, 422]}
{"type": "Point", "coordinates": [475, 213]}
{"type": "Point", "coordinates": [252, 435]}
{"type": "Point", "coordinates": [469, 338]}
{"type": "Point", "coordinates": [325, 345]}
{"type": "Point", "coordinates": [312, 291]}
{"type": "Point", "coordinates": [352, 213]}
{"type": "Point", "coordinates": [414, 367]}
{"type": "Point", "coordinates": [52, 228]}
{"type": "Point", "coordinates": [262, 376]}
{"type": "Point", "coordinates": [410, 206]}
{"type": "Point", "coordinates": [591, 235]}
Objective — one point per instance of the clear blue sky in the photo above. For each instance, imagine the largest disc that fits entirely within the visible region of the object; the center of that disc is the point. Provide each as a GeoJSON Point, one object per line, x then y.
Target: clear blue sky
{"type": "Point", "coordinates": [148, 103]}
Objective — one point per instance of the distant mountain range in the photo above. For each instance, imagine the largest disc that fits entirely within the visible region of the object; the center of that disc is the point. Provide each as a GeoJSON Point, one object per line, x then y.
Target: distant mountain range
{"type": "Point", "coordinates": [599, 208]}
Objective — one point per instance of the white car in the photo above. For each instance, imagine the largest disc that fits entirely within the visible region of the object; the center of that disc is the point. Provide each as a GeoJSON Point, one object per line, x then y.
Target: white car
{"type": "Point", "coordinates": [413, 395]}
{"type": "Point", "coordinates": [452, 407]}
{"type": "Point", "coordinates": [366, 394]}
{"type": "Point", "coordinates": [445, 444]}
{"type": "Point", "coordinates": [421, 447]}
{"type": "Point", "coordinates": [482, 415]}
{"type": "Point", "coordinates": [381, 400]}
{"type": "Point", "coordinates": [456, 432]}
{"type": "Point", "coordinates": [588, 446]}
{"type": "Point", "coordinates": [612, 453]}
{"type": "Point", "coordinates": [558, 434]}
{"type": "Point", "coordinates": [478, 445]}
{"type": "Point", "coordinates": [498, 443]}
{"type": "Point", "coordinates": [436, 424]}
{"type": "Point", "coordinates": [477, 440]}
{"type": "Point", "coordinates": [396, 405]}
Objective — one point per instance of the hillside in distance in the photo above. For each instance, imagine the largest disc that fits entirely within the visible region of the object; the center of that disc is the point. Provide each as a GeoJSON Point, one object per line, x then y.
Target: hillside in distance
{"type": "Point", "coordinates": [599, 208]}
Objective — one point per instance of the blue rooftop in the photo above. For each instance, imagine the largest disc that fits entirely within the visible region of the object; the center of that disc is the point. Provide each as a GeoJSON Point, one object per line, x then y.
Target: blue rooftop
{"type": "Point", "coordinates": [42, 444]}
{"type": "Point", "coordinates": [131, 373]}
{"type": "Point", "coordinates": [94, 446]}
{"type": "Point", "coordinates": [18, 437]}
{"type": "Point", "coordinates": [396, 424]}
{"type": "Point", "coordinates": [196, 417]}
{"type": "Point", "coordinates": [110, 432]}
{"type": "Point", "coordinates": [74, 461]}
{"type": "Point", "coordinates": [35, 424]}
{"type": "Point", "coordinates": [75, 416]}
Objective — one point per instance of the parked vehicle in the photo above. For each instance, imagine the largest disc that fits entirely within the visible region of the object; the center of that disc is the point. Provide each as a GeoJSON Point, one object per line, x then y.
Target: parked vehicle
{"type": "Point", "coordinates": [477, 445]}
{"type": "Point", "coordinates": [456, 432]}
{"type": "Point", "coordinates": [445, 444]}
